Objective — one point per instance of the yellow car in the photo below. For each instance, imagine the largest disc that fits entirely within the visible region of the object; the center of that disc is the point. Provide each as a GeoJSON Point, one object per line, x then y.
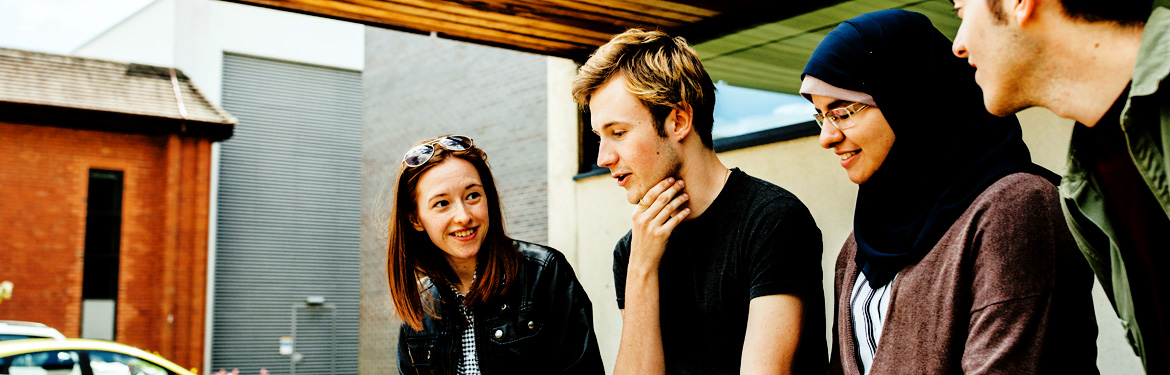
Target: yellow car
{"type": "Point", "coordinates": [81, 357]}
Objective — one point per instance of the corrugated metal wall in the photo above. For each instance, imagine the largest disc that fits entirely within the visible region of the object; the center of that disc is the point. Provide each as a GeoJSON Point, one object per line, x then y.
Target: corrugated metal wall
{"type": "Point", "coordinates": [289, 217]}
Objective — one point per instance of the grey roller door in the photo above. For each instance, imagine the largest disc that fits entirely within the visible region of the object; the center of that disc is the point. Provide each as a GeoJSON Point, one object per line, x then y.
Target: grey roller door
{"type": "Point", "coordinates": [288, 218]}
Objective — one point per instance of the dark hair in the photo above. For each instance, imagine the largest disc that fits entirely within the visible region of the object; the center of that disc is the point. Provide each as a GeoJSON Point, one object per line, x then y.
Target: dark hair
{"type": "Point", "coordinates": [1122, 12]}
{"type": "Point", "coordinates": [662, 72]}
{"type": "Point", "coordinates": [412, 256]}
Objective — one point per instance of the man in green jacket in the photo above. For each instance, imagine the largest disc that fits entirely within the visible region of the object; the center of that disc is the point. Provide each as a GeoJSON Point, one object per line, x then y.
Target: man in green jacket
{"type": "Point", "coordinates": [1101, 63]}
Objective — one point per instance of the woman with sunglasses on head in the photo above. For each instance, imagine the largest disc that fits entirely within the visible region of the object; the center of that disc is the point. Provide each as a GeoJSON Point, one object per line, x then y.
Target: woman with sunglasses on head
{"type": "Point", "coordinates": [472, 300]}
{"type": "Point", "coordinates": [959, 260]}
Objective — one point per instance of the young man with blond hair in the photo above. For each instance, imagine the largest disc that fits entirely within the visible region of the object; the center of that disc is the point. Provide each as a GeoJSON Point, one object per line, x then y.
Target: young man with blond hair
{"type": "Point", "coordinates": [721, 271]}
{"type": "Point", "coordinates": [1103, 64]}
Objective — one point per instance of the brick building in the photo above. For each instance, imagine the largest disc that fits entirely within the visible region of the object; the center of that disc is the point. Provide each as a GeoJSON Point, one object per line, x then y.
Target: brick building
{"type": "Point", "coordinates": [285, 209]}
{"type": "Point", "coordinates": [105, 184]}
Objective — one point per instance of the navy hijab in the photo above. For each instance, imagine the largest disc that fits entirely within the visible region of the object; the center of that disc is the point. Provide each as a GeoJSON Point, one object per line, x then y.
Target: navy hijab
{"type": "Point", "coordinates": [947, 147]}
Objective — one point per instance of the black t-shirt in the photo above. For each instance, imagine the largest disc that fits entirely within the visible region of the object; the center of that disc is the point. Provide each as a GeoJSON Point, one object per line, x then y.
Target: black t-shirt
{"type": "Point", "coordinates": [756, 239]}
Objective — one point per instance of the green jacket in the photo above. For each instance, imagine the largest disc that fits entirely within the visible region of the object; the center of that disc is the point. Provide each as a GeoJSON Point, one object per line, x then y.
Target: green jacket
{"type": "Point", "coordinates": [1146, 124]}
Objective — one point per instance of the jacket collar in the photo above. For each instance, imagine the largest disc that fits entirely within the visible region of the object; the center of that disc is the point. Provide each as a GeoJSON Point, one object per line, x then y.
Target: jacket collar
{"type": "Point", "coordinates": [1153, 59]}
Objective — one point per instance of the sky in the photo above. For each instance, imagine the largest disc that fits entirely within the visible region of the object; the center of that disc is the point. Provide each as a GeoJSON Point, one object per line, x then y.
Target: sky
{"type": "Point", "coordinates": [741, 110]}
{"type": "Point", "coordinates": [59, 26]}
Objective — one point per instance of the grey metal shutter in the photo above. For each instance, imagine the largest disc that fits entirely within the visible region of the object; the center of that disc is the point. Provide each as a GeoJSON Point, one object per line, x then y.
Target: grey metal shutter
{"type": "Point", "coordinates": [289, 216]}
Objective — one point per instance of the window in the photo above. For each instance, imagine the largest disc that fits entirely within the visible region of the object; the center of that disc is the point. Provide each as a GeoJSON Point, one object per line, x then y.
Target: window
{"type": "Point", "coordinates": [103, 236]}
{"type": "Point", "coordinates": [740, 111]}
{"type": "Point", "coordinates": [744, 117]}
{"type": "Point", "coordinates": [109, 363]}
{"type": "Point", "coordinates": [53, 362]}
{"type": "Point", "coordinates": [11, 336]}
{"type": "Point", "coordinates": [68, 362]}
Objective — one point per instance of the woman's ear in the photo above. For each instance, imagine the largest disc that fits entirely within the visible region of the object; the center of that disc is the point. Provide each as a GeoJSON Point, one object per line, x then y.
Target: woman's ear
{"type": "Point", "coordinates": [414, 222]}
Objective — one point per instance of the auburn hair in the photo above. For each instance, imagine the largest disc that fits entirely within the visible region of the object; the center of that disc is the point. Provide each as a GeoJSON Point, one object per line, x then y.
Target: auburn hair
{"type": "Point", "coordinates": [412, 257]}
{"type": "Point", "coordinates": [661, 71]}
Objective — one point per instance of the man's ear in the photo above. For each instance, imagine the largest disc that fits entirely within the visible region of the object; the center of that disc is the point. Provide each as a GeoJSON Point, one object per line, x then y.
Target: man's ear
{"type": "Point", "coordinates": [1024, 11]}
{"type": "Point", "coordinates": [680, 123]}
{"type": "Point", "coordinates": [414, 222]}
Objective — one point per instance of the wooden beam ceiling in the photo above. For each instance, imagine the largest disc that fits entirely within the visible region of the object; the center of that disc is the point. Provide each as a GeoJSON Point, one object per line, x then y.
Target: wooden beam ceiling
{"type": "Point", "coordinates": [759, 44]}
{"type": "Point", "coordinates": [562, 28]}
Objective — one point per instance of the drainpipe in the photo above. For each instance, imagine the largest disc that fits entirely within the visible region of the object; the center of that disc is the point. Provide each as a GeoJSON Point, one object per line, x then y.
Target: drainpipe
{"type": "Point", "coordinates": [212, 225]}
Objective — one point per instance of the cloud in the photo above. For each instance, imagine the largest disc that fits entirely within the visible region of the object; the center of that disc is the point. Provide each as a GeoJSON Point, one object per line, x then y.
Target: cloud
{"type": "Point", "coordinates": [781, 115]}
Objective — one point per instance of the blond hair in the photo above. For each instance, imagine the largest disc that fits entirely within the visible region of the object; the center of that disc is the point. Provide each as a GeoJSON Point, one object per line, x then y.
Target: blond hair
{"type": "Point", "coordinates": [661, 71]}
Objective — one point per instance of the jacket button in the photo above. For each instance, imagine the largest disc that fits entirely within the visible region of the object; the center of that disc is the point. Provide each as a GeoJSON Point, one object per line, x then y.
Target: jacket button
{"type": "Point", "coordinates": [499, 333]}
{"type": "Point", "coordinates": [531, 324]}
{"type": "Point", "coordinates": [503, 307]}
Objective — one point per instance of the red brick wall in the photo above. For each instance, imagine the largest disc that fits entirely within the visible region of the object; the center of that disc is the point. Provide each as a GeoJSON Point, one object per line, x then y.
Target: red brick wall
{"type": "Point", "coordinates": [44, 173]}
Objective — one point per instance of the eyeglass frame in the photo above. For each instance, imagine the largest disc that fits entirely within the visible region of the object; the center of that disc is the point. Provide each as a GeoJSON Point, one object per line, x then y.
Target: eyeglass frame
{"type": "Point", "coordinates": [431, 145]}
{"type": "Point", "coordinates": [820, 118]}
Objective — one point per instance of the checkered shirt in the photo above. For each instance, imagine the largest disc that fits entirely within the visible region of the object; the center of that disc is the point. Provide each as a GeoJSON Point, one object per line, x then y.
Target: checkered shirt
{"type": "Point", "coordinates": [470, 363]}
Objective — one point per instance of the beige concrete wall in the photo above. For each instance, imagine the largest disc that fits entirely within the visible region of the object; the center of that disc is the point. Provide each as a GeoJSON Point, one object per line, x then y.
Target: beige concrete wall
{"type": "Point", "coordinates": [587, 217]}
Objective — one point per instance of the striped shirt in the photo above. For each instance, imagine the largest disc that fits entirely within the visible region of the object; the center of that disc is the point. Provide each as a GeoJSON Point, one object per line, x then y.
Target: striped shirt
{"type": "Point", "coordinates": [867, 309]}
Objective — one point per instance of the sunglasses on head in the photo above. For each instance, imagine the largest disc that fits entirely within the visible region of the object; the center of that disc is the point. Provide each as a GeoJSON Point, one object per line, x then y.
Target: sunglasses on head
{"type": "Point", "coordinates": [422, 153]}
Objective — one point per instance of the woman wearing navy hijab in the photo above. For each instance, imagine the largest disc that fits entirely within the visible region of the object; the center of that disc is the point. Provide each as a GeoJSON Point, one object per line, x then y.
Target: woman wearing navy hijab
{"type": "Point", "coordinates": [959, 261]}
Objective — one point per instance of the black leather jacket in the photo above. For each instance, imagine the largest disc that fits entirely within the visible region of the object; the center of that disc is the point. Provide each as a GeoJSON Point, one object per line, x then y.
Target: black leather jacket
{"type": "Point", "coordinates": [542, 325]}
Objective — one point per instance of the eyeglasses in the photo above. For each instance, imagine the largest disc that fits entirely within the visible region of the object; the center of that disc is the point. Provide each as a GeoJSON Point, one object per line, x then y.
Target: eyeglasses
{"type": "Point", "coordinates": [840, 118]}
{"type": "Point", "coordinates": [422, 153]}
